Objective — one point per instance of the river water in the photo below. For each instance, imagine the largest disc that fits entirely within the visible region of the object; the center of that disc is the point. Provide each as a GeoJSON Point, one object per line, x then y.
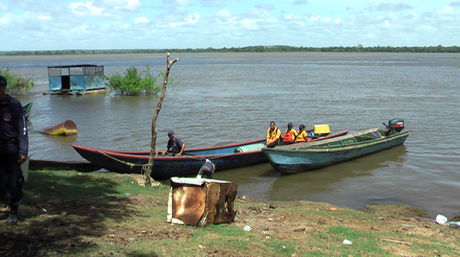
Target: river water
{"type": "Point", "coordinates": [231, 97]}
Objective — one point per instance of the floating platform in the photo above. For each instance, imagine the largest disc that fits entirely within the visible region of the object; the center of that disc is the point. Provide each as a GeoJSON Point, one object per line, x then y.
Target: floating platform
{"type": "Point", "coordinates": [80, 79]}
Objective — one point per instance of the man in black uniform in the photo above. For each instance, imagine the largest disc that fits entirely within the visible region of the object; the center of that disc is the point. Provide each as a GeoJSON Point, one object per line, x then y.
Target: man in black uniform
{"type": "Point", "coordinates": [14, 146]}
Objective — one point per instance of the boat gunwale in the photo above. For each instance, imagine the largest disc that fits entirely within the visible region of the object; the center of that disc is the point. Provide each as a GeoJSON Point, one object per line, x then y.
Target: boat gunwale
{"type": "Point", "coordinates": [144, 156]}
{"type": "Point", "coordinates": [132, 155]}
{"type": "Point", "coordinates": [186, 150]}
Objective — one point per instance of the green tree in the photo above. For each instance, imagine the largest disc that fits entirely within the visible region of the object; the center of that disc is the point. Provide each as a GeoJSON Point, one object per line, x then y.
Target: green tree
{"type": "Point", "coordinates": [16, 85]}
{"type": "Point", "coordinates": [134, 82]}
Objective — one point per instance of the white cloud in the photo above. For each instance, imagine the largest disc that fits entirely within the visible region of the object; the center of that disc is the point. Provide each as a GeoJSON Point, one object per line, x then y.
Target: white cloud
{"type": "Point", "coordinates": [82, 8]}
{"type": "Point", "coordinates": [129, 5]}
{"type": "Point", "coordinates": [447, 9]}
{"type": "Point", "coordinates": [4, 20]}
{"type": "Point", "coordinates": [44, 17]}
{"type": "Point", "coordinates": [224, 14]}
{"type": "Point", "coordinates": [141, 20]}
{"type": "Point", "coordinates": [3, 6]}
{"type": "Point", "coordinates": [249, 24]}
{"type": "Point", "coordinates": [211, 3]}
{"type": "Point", "coordinates": [182, 2]}
{"type": "Point", "coordinates": [132, 4]}
{"type": "Point", "coordinates": [389, 7]}
{"type": "Point", "coordinates": [300, 2]}
{"type": "Point", "coordinates": [190, 19]}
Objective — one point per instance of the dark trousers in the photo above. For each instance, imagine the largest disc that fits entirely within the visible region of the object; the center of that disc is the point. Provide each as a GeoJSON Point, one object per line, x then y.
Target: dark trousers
{"type": "Point", "coordinates": [11, 168]}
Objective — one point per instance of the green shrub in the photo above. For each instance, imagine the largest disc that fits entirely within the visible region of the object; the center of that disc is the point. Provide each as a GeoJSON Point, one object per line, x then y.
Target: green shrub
{"type": "Point", "coordinates": [16, 85]}
{"type": "Point", "coordinates": [133, 82]}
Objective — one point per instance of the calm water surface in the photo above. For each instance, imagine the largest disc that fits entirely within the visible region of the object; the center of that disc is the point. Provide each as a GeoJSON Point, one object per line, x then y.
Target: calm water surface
{"type": "Point", "coordinates": [227, 98]}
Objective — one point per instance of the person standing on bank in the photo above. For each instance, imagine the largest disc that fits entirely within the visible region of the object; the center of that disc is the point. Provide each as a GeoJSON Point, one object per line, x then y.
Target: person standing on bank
{"type": "Point", "coordinates": [14, 144]}
{"type": "Point", "coordinates": [175, 145]}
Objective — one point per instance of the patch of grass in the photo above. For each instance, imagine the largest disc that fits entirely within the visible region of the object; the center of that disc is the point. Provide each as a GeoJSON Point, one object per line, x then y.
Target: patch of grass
{"type": "Point", "coordinates": [223, 236]}
{"type": "Point", "coordinates": [443, 249]}
{"type": "Point", "coordinates": [362, 242]}
{"type": "Point", "coordinates": [281, 247]}
{"type": "Point", "coordinates": [66, 213]}
{"type": "Point", "coordinates": [70, 185]}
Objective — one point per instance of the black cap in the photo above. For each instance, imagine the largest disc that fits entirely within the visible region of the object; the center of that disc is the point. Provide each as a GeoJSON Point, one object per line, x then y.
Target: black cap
{"type": "Point", "coordinates": [170, 133]}
{"type": "Point", "coordinates": [3, 82]}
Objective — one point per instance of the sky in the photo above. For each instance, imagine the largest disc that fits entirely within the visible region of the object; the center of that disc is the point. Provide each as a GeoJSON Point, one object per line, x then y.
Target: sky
{"type": "Point", "coordinates": [160, 24]}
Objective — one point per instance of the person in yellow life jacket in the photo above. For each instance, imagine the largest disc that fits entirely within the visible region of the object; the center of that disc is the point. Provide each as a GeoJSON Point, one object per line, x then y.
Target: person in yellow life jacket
{"type": "Point", "coordinates": [290, 135]}
{"type": "Point", "coordinates": [302, 134]}
{"type": "Point", "coordinates": [273, 135]}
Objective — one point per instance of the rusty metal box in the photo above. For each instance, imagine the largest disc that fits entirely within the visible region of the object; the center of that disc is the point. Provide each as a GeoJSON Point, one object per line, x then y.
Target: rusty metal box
{"type": "Point", "coordinates": [200, 202]}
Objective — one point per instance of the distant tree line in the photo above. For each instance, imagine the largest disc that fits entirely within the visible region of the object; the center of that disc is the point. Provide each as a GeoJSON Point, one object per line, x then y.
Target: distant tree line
{"type": "Point", "coordinates": [275, 48]}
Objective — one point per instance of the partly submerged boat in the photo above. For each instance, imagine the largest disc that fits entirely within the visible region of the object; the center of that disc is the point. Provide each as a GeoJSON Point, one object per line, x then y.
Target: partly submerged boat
{"type": "Point", "coordinates": [66, 128]}
{"type": "Point", "coordinates": [291, 159]}
{"type": "Point", "coordinates": [188, 164]}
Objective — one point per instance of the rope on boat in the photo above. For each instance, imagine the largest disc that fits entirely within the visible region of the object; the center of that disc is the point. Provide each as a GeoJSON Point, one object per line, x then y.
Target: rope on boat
{"type": "Point", "coordinates": [144, 166]}
{"type": "Point", "coordinates": [130, 164]}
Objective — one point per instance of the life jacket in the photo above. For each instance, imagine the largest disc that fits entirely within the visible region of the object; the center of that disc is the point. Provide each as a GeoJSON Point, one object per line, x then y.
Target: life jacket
{"type": "Point", "coordinates": [302, 136]}
{"type": "Point", "coordinates": [290, 136]}
{"type": "Point", "coordinates": [273, 136]}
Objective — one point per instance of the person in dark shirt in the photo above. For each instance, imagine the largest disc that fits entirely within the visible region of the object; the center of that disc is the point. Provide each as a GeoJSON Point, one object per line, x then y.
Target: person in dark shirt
{"type": "Point", "coordinates": [207, 170]}
{"type": "Point", "coordinates": [14, 146]}
{"type": "Point", "coordinates": [175, 145]}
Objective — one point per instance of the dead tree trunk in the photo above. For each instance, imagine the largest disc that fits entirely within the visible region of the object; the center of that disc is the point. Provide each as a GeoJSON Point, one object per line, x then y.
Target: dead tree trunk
{"type": "Point", "coordinates": [147, 168]}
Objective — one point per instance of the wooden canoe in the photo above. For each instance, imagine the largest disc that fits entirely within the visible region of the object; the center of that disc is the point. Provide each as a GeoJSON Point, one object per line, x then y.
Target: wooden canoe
{"type": "Point", "coordinates": [224, 157]}
{"type": "Point", "coordinates": [291, 159]}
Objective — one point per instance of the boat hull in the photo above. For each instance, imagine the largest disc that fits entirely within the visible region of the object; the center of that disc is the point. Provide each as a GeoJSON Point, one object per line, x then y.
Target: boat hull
{"type": "Point", "coordinates": [170, 166]}
{"type": "Point", "coordinates": [290, 162]}
{"type": "Point", "coordinates": [164, 167]}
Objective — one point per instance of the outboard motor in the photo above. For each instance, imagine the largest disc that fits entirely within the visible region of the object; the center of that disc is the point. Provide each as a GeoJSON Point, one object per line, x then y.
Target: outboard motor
{"type": "Point", "coordinates": [394, 125]}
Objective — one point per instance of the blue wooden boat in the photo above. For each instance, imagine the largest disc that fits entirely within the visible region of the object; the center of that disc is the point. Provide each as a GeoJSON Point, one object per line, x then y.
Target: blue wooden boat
{"type": "Point", "coordinates": [164, 167]}
{"type": "Point", "coordinates": [76, 79]}
{"type": "Point", "coordinates": [291, 159]}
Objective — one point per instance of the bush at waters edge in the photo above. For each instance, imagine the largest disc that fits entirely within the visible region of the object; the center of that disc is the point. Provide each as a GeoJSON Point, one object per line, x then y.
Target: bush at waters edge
{"type": "Point", "coordinates": [16, 84]}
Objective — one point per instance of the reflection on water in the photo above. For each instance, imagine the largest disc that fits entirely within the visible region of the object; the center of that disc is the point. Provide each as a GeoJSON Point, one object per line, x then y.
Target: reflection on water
{"type": "Point", "coordinates": [228, 98]}
{"type": "Point", "coordinates": [313, 184]}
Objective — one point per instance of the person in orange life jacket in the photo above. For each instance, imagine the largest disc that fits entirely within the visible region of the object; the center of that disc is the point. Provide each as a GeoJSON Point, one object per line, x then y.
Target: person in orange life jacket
{"type": "Point", "coordinates": [175, 145]}
{"type": "Point", "coordinates": [302, 134]}
{"type": "Point", "coordinates": [14, 145]}
{"type": "Point", "coordinates": [290, 135]}
{"type": "Point", "coordinates": [273, 135]}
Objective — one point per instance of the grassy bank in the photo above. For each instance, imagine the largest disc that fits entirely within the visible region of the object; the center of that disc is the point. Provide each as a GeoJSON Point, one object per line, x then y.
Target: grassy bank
{"type": "Point", "coordinates": [95, 214]}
